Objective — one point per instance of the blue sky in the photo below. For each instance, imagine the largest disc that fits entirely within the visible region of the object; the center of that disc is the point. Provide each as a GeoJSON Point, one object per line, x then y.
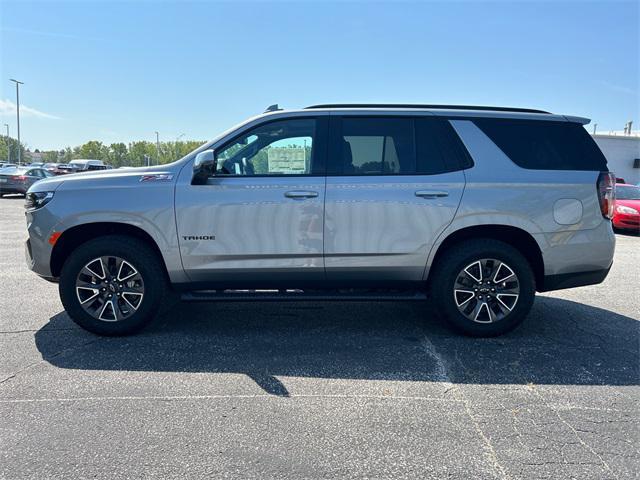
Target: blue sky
{"type": "Point", "coordinates": [118, 71]}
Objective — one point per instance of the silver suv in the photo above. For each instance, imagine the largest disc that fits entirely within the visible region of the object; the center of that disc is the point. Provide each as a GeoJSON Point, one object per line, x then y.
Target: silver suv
{"type": "Point", "coordinates": [476, 208]}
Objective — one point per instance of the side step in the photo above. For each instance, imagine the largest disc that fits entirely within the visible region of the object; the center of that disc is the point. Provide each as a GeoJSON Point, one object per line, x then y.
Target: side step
{"type": "Point", "coordinates": [300, 295]}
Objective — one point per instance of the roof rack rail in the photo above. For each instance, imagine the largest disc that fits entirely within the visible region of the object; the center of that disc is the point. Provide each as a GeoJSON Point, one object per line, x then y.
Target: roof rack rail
{"type": "Point", "coordinates": [420, 106]}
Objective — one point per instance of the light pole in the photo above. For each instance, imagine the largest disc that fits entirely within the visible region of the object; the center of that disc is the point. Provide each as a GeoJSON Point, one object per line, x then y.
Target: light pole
{"type": "Point", "coordinates": [18, 83]}
{"type": "Point", "coordinates": [8, 144]}
{"type": "Point", "coordinates": [176, 150]}
{"type": "Point", "coordinates": [158, 147]}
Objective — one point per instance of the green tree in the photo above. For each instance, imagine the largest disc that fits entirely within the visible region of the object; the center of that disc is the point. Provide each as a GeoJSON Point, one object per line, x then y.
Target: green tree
{"type": "Point", "coordinates": [137, 152]}
{"type": "Point", "coordinates": [93, 150]}
{"type": "Point", "coordinates": [9, 149]}
{"type": "Point", "coordinates": [50, 157]}
{"type": "Point", "coordinates": [66, 155]}
{"type": "Point", "coordinates": [118, 155]}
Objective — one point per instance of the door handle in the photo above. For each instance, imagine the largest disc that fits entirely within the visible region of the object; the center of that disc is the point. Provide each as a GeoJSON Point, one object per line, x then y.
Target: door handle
{"type": "Point", "coordinates": [300, 194]}
{"type": "Point", "coordinates": [431, 194]}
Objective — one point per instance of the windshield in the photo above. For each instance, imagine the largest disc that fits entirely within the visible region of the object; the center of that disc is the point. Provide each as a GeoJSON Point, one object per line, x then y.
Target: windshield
{"type": "Point", "coordinates": [627, 192]}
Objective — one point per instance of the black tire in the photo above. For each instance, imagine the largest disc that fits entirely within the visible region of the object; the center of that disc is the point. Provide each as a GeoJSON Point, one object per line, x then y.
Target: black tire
{"type": "Point", "coordinates": [451, 264]}
{"type": "Point", "coordinates": [133, 251]}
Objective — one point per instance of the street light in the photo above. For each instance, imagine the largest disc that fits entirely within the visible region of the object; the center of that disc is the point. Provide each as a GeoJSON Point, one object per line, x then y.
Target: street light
{"type": "Point", "coordinates": [8, 144]}
{"type": "Point", "coordinates": [18, 83]}
{"type": "Point", "coordinates": [158, 147]}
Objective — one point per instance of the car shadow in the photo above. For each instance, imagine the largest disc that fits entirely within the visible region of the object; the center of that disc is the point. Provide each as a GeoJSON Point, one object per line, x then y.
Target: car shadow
{"type": "Point", "coordinates": [561, 342]}
{"type": "Point", "coordinates": [627, 233]}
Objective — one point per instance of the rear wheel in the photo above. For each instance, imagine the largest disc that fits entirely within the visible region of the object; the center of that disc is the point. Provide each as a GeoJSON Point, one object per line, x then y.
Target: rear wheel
{"type": "Point", "coordinates": [483, 287]}
{"type": "Point", "coordinates": [112, 285]}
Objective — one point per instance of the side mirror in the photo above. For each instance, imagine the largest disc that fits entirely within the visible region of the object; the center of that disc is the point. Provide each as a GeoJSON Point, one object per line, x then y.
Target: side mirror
{"type": "Point", "coordinates": [204, 166]}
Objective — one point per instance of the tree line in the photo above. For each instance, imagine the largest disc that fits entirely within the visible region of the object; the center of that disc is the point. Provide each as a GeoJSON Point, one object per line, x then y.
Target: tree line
{"type": "Point", "coordinates": [133, 154]}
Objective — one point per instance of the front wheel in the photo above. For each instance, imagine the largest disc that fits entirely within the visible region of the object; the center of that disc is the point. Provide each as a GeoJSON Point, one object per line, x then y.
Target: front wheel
{"type": "Point", "coordinates": [112, 285]}
{"type": "Point", "coordinates": [484, 287]}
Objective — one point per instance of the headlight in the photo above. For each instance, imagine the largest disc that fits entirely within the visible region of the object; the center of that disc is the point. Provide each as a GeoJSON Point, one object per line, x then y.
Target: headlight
{"type": "Point", "coordinates": [627, 210]}
{"type": "Point", "coordinates": [35, 200]}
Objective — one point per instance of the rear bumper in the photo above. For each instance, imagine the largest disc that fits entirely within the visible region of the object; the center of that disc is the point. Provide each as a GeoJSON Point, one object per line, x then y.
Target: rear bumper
{"type": "Point", "coordinates": [570, 280]}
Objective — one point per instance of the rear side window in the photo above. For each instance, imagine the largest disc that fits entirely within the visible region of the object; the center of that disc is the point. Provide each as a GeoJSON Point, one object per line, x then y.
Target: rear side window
{"type": "Point", "coordinates": [377, 146]}
{"type": "Point", "coordinates": [544, 145]}
{"type": "Point", "coordinates": [397, 146]}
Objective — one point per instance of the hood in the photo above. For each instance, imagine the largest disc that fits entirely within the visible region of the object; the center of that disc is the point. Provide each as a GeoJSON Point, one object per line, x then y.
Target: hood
{"type": "Point", "coordinates": [104, 178]}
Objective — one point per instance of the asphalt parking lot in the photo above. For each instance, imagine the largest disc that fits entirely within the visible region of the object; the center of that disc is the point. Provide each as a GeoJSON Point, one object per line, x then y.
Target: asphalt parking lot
{"type": "Point", "coordinates": [319, 390]}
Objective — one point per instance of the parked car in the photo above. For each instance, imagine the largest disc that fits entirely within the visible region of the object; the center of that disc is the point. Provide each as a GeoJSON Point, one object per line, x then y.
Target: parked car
{"type": "Point", "coordinates": [19, 179]}
{"type": "Point", "coordinates": [7, 165]}
{"type": "Point", "coordinates": [82, 165]}
{"type": "Point", "coordinates": [475, 208]}
{"type": "Point", "coordinates": [35, 164]}
{"type": "Point", "coordinates": [626, 214]}
{"type": "Point", "coordinates": [58, 168]}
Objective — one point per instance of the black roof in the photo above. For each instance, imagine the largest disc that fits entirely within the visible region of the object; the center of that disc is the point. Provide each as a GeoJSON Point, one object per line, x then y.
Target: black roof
{"type": "Point", "coordinates": [423, 106]}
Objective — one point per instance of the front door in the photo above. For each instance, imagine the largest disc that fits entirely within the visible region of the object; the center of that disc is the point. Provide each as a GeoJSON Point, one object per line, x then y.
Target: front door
{"type": "Point", "coordinates": [394, 186]}
{"type": "Point", "coordinates": [258, 221]}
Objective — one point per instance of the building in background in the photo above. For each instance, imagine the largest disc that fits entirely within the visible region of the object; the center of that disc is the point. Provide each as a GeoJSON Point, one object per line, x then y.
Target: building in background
{"type": "Point", "coordinates": [32, 157]}
{"type": "Point", "coordinates": [622, 151]}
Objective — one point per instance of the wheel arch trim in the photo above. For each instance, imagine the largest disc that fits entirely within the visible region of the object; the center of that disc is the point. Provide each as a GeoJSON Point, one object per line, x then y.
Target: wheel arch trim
{"type": "Point", "coordinates": [514, 235]}
{"type": "Point", "coordinates": [75, 235]}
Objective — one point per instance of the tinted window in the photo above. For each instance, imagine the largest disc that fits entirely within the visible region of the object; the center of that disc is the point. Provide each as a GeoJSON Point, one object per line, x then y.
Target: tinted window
{"type": "Point", "coordinates": [545, 145]}
{"type": "Point", "coordinates": [377, 146]}
{"type": "Point", "coordinates": [284, 147]}
{"type": "Point", "coordinates": [438, 148]}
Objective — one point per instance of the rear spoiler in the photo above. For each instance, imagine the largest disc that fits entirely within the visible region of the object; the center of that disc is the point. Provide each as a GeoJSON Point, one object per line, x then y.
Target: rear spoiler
{"type": "Point", "coordinates": [580, 120]}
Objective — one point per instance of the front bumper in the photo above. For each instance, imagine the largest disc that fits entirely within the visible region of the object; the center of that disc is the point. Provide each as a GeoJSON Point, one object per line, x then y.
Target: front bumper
{"type": "Point", "coordinates": [41, 270]}
{"type": "Point", "coordinates": [41, 223]}
{"type": "Point", "coordinates": [625, 221]}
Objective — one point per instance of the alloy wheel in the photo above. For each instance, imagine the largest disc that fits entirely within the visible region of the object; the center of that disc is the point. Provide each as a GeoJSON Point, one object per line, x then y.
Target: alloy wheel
{"type": "Point", "coordinates": [486, 290]}
{"type": "Point", "coordinates": [109, 288]}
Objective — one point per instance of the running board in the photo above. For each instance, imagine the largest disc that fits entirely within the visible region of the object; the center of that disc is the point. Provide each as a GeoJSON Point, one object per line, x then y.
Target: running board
{"type": "Point", "coordinates": [298, 295]}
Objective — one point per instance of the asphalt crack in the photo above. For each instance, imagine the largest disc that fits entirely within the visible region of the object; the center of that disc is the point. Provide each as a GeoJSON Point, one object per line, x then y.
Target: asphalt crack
{"type": "Point", "coordinates": [442, 376]}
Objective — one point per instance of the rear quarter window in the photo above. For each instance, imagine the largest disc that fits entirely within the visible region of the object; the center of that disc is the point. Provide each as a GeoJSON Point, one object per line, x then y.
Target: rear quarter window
{"type": "Point", "coordinates": [544, 145]}
{"type": "Point", "coordinates": [438, 148]}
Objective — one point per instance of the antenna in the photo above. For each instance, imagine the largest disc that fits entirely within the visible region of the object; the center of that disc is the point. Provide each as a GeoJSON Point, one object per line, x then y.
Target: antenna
{"type": "Point", "coordinates": [273, 108]}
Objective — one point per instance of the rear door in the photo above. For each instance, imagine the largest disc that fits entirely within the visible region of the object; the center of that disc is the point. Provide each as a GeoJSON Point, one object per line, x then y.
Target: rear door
{"type": "Point", "coordinates": [394, 184]}
{"type": "Point", "coordinates": [258, 221]}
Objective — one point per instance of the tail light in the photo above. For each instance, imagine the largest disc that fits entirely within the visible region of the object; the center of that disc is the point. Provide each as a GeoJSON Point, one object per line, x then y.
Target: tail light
{"type": "Point", "coordinates": [19, 178]}
{"type": "Point", "coordinates": [607, 193]}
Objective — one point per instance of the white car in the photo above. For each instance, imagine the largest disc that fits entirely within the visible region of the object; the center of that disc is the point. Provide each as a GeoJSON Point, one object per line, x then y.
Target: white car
{"type": "Point", "coordinates": [82, 165]}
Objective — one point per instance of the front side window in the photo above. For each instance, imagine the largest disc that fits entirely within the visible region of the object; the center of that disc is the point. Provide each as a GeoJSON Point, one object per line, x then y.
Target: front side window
{"type": "Point", "coordinates": [377, 146]}
{"type": "Point", "coordinates": [284, 147]}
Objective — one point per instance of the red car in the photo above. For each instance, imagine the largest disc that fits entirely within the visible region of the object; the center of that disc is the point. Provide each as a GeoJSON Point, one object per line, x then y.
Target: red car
{"type": "Point", "coordinates": [626, 213]}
